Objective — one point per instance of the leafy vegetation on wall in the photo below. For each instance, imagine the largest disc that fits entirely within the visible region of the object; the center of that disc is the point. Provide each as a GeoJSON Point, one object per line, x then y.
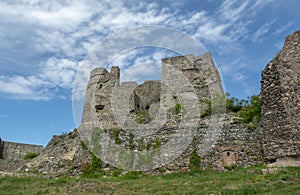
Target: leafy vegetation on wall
{"type": "Point", "coordinates": [247, 110]}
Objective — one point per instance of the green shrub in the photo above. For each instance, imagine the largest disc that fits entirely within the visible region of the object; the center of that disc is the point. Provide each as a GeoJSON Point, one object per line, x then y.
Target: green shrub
{"type": "Point", "coordinates": [116, 137]}
{"type": "Point", "coordinates": [141, 145]}
{"type": "Point", "coordinates": [231, 167]}
{"type": "Point", "coordinates": [94, 169]}
{"type": "Point", "coordinates": [251, 112]}
{"type": "Point", "coordinates": [277, 56]}
{"type": "Point", "coordinates": [134, 175]}
{"type": "Point", "coordinates": [30, 155]}
{"type": "Point", "coordinates": [195, 160]}
{"type": "Point", "coordinates": [157, 143]}
{"type": "Point", "coordinates": [161, 169]}
{"type": "Point", "coordinates": [142, 117]}
{"type": "Point", "coordinates": [177, 109]}
{"type": "Point", "coordinates": [252, 126]}
{"type": "Point", "coordinates": [83, 145]}
{"type": "Point", "coordinates": [131, 141]}
{"type": "Point", "coordinates": [248, 110]}
{"type": "Point", "coordinates": [148, 146]}
{"type": "Point", "coordinates": [233, 104]}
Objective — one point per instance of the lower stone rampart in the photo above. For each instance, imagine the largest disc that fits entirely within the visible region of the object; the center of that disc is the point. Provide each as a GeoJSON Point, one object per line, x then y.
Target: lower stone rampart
{"type": "Point", "coordinates": [17, 151]}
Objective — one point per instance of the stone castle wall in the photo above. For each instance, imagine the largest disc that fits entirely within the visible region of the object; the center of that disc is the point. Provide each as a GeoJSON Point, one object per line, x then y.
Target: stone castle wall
{"type": "Point", "coordinates": [17, 151]}
{"type": "Point", "coordinates": [188, 81]}
{"type": "Point", "coordinates": [280, 97]}
{"type": "Point", "coordinates": [146, 94]}
{"type": "Point", "coordinates": [236, 146]}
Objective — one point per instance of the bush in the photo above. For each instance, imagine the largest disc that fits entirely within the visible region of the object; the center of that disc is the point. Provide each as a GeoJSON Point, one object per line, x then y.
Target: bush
{"type": "Point", "coordinates": [94, 169]}
{"type": "Point", "coordinates": [230, 167]}
{"type": "Point", "coordinates": [141, 145]}
{"type": "Point", "coordinates": [83, 145]}
{"type": "Point", "coordinates": [251, 112]}
{"type": "Point", "coordinates": [134, 175]}
{"type": "Point", "coordinates": [195, 160]}
{"type": "Point", "coordinates": [157, 143]}
{"type": "Point", "coordinates": [233, 104]}
{"type": "Point", "coordinates": [142, 117]}
{"type": "Point", "coordinates": [116, 137]}
{"type": "Point", "coordinates": [177, 109]}
{"type": "Point", "coordinates": [30, 155]}
{"type": "Point", "coordinates": [131, 141]}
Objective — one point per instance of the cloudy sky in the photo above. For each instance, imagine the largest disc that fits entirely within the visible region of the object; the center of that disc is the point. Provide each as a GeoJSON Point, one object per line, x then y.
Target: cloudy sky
{"type": "Point", "coordinates": [44, 42]}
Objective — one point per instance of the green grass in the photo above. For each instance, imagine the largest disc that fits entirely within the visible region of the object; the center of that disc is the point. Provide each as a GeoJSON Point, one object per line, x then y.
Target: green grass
{"type": "Point", "coordinates": [237, 181]}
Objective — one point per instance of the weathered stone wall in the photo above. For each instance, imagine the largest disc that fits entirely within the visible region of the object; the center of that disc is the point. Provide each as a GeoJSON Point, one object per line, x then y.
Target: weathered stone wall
{"type": "Point", "coordinates": [236, 145]}
{"type": "Point", "coordinates": [280, 97]}
{"type": "Point", "coordinates": [186, 81]}
{"type": "Point", "coordinates": [146, 94]}
{"type": "Point", "coordinates": [17, 151]}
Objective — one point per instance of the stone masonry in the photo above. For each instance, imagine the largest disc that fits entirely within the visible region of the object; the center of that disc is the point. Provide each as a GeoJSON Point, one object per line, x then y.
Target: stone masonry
{"type": "Point", "coordinates": [280, 97]}
{"type": "Point", "coordinates": [122, 109]}
{"type": "Point", "coordinates": [17, 151]}
{"type": "Point", "coordinates": [186, 80]}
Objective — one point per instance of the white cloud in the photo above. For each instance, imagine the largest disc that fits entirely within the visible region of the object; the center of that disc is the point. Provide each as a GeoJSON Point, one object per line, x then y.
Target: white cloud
{"type": "Point", "coordinates": [229, 24]}
{"type": "Point", "coordinates": [61, 33]}
{"type": "Point", "coordinates": [141, 64]}
{"type": "Point", "coordinates": [233, 10]}
{"type": "Point", "coordinates": [262, 30]}
{"type": "Point", "coordinates": [283, 28]}
{"type": "Point", "coordinates": [54, 75]}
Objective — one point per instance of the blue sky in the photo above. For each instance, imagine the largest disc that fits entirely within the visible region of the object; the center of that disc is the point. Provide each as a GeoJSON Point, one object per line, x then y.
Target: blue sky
{"type": "Point", "coordinates": [44, 42]}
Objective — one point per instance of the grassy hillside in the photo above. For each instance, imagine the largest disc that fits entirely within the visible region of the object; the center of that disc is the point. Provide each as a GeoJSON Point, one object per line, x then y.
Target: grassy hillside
{"type": "Point", "coordinates": [238, 181]}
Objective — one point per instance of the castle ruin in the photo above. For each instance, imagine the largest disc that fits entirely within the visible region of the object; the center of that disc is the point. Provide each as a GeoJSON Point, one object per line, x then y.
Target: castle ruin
{"type": "Point", "coordinates": [120, 106]}
{"type": "Point", "coordinates": [150, 109]}
{"type": "Point", "coordinates": [158, 110]}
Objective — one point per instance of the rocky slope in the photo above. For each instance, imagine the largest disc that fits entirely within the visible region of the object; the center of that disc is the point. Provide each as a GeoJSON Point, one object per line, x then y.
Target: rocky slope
{"type": "Point", "coordinates": [64, 154]}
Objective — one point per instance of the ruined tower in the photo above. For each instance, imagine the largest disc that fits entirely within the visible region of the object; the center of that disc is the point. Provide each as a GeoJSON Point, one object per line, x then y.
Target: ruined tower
{"type": "Point", "coordinates": [154, 110]}
{"type": "Point", "coordinates": [198, 72]}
